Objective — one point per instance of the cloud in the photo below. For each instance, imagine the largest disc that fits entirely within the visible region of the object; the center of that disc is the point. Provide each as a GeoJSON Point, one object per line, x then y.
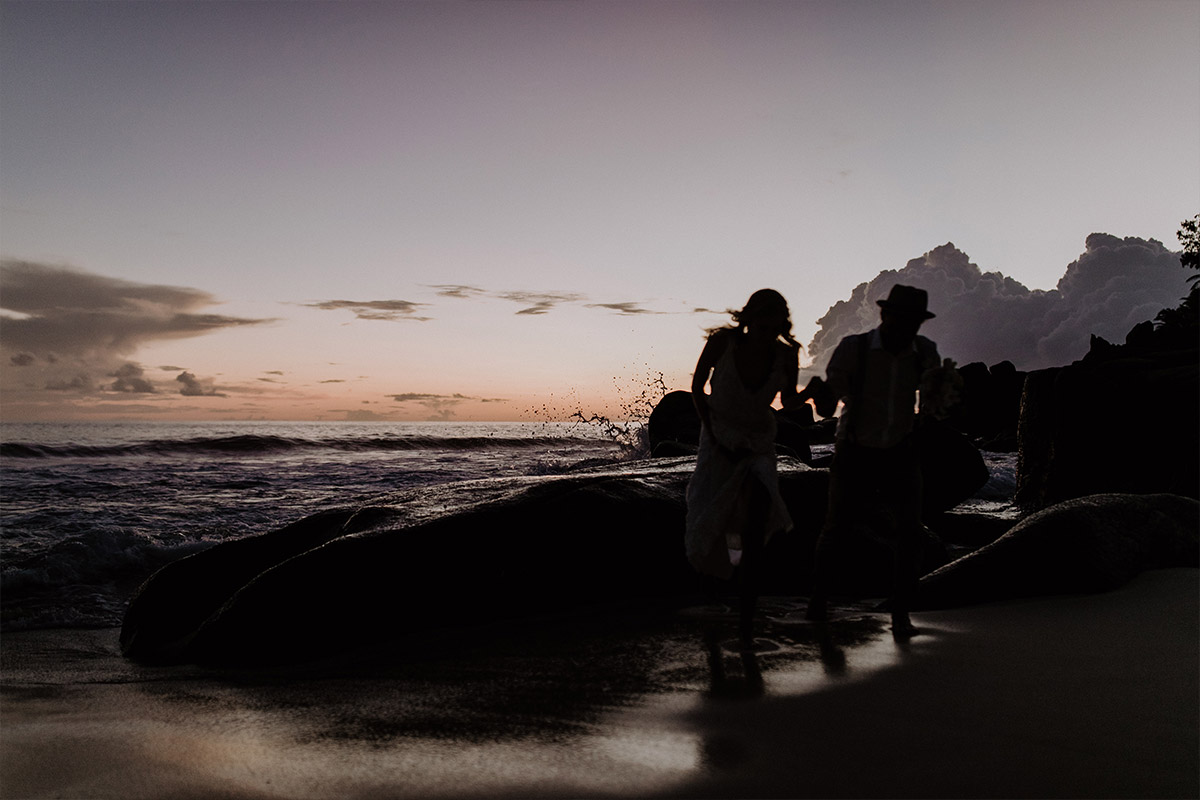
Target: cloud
{"type": "Point", "coordinates": [440, 406]}
{"type": "Point", "coordinates": [421, 397]}
{"type": "Point", "coordinates": [625, 308]}
{"type": "Point", "coordinates": [459, 291]}
{"type": "Point", "coordinates": [539, 302]}
{"type": "Point", "coordinates": [129, 379]}
{"type": "Point", "coordinates": [985, 316]}
{"type": "Point", "coordinates": [362, 415]}
{"type": "Point", "coordinates": [72, 328]}
{"type": "Point", "coordinates": [196, 387]}
{"type": "Point", "coordinates": [386, 310]}
{"type": "Point", "coordinates": [535, 303]}
{"type": "Point", "coordinates": [76, 383]}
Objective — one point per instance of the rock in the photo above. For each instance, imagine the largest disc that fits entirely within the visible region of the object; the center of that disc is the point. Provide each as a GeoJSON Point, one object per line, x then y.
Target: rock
{"type": "Point", "coordinates": [1074, 439]}
{"type": "Point", "coordinates": [674, 422]}
{"type": "Point", "coordinates": [674, 428]}
{"type": "Point", "coordinates": [457, 555]}
{"type": "Point", "coordinates": [1088, 544]}
{"type": "Point", "coordinates": [990, 404]}
{"type": "Point", "coordinates": [178, 598]}
{"type": "Point", "coordinates": [953, 469]}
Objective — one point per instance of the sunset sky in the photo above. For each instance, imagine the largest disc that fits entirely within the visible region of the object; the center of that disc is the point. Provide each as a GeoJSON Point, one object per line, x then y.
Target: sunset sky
{"type": "Point", "coordinates": [471, 210]}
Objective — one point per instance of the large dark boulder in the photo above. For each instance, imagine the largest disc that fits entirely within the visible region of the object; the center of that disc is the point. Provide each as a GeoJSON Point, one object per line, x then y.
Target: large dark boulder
{"type": "Point", "coordinates": [952, 468]}
{"type": "Point", "coordinates": [1123, 419]}
{"type": "Point", "coordinates": [1089, 544]}
{"type": "Point", "coordinates": [674, 426]}
{"type": "Point", "coordinates": [461, 554]}
{"type": "Point", "coordinates": [990, 404]}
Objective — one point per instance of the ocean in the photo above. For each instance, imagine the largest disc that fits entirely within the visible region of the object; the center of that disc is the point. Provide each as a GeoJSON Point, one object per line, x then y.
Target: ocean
{"type": "Point", "coordinates": [89, 510]}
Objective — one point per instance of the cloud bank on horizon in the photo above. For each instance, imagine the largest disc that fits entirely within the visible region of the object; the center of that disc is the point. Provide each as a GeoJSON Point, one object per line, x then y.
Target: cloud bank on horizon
{"type": "Point", "coordinates": [72, 331]}
{"type": "Point", "coordinates": [985, 316]}
{"type": "Point", "coordinates": [67, 332]}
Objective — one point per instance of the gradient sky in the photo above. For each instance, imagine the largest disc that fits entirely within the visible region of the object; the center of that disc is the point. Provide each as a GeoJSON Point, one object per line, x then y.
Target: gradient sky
{"type": "Point", "coordinates": [471, 210]}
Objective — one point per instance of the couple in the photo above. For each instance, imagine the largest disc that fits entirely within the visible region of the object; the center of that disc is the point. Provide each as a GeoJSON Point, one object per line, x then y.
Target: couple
{"type": "Point", "coordinates": [733, 500]}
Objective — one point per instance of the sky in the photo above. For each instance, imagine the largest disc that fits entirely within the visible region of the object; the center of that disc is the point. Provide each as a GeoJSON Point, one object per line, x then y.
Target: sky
{"type": "Point", "coordinates": [516, 210]}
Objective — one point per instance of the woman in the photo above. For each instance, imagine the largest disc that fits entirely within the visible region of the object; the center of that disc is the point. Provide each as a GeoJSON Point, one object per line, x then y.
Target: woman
{"type": "Point", "coordinates": [734, 505]}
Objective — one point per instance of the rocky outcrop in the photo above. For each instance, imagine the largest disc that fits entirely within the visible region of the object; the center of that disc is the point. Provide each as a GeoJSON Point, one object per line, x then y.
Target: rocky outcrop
{"type": "Point", "coordinates": [673, 429]}
{"type": "Point", "coordinates": [1089, 544]}
{"type": "Point", "coordinates": [454, 555]}
{"type": "Point", "coordinates": [1122, 419]}
{"type": "Point", "coordinates": [990, 404]}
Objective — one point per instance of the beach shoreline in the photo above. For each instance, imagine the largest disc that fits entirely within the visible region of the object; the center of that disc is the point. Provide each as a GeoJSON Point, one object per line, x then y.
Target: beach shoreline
{"type": "Point", "coordinates": [1071, 696]}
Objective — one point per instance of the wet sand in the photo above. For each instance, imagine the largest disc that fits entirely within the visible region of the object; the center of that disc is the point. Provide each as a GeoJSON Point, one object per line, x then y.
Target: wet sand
{"type": "Point", "coordinates": [1080, 696]}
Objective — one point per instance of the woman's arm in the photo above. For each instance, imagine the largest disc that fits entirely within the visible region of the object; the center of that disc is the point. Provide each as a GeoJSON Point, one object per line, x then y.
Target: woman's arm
{"type": "Point", "coordinates": [704, 367]}
{"type": "Point", "coordinates": [789, 395]}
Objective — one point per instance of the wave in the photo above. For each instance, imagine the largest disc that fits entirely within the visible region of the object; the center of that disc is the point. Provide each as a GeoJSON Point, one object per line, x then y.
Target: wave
{"type": "Point", "coordinates": [256, 444]}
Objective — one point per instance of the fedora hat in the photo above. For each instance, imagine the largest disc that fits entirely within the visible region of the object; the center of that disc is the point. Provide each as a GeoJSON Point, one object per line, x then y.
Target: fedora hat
{"type": "Point", "coordinates": [907, 300]}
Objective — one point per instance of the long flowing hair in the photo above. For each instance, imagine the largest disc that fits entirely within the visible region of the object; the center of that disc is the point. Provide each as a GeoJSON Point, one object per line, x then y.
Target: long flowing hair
{"type": "Point", "coordinates": [759, 301]}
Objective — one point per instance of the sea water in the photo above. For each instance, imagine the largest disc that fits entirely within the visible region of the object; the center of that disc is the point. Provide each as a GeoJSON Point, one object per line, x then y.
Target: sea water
{"type": "Point", "coordinates": [89, 510]}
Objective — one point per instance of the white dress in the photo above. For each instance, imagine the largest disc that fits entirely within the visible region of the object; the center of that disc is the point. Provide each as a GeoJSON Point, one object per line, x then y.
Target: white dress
{"type": "Point", "coordinates": [738, 449]}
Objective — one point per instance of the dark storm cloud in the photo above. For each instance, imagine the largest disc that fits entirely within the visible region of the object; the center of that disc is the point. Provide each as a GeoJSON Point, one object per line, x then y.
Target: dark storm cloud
{"type": "Point", "coordinates": [66, 312]}
{"type": "Point", "coordinates": [75, 328]}
{"type": "Point", "coordinates": [196, 387]}
{"type": "Point", "coordinates": [984, 316]}
{"type": "Point", "coordinates": [130, 379]}
{"type": "Point", "coordinates": [79, 382]}
{"type": "Point", "coordinates": [385, 310]}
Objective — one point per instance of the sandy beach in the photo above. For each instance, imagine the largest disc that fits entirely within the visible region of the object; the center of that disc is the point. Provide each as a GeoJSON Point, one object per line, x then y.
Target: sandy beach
{"type": "Point", "coordinates": [1074, 696]}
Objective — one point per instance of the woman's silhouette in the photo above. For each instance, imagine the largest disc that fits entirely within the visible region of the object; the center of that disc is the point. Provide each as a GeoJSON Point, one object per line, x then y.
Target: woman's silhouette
{"type": "Point", "coordinates": [733, 499]}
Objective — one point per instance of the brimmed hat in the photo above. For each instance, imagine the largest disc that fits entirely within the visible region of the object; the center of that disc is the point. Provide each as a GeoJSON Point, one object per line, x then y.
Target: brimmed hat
{"type": "Point", "coordinates": [907, 300]}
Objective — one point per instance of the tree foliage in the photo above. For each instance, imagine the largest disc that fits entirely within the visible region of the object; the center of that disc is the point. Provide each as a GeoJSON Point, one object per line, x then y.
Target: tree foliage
{"type": "Point", "coordinates": [1181, 326]}
{"type": "Point", "coordinates": [1189, 237]}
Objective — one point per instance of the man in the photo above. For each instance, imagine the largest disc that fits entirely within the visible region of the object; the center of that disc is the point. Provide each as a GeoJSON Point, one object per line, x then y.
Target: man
{"type": "Point", "coordinates": [875, 477]}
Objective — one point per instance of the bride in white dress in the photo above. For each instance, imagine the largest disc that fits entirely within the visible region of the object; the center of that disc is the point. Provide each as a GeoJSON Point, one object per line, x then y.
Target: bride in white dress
{"type": "Point", "coordinates": [733, 500]}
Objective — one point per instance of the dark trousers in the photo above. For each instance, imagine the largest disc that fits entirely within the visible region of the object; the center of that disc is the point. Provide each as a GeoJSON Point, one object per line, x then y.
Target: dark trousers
{"type": "Point", "coordinates": [876, 492]}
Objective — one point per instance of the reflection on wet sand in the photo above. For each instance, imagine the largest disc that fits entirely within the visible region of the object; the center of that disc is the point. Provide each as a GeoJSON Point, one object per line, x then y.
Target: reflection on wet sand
{"type": "Point", "coordinates": [572, 707]}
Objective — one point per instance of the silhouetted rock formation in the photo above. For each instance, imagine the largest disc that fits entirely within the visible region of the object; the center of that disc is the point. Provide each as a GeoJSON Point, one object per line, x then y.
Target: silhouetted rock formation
{"type": "Point", "coordinates": [1089, 544]}
{"type": "Point", "coordinates": [674, 426]}
{"type": "Point", "coordinates": [453, 555]}
{"type": "Point", "coordinates": [952, 468]}
{"type": "Point", "coordinates": [1123, 419]}
{"type": "Point", "coordinates": [674, 429]}
{"type": "Point", "coordinates": [464, 554]}
{"type": "Point", "coordinates": [990, 405]}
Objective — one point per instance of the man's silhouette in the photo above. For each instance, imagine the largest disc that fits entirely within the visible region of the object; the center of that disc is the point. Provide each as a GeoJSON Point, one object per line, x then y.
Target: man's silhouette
{"type": "Point", "coordinates": [875, 477]}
